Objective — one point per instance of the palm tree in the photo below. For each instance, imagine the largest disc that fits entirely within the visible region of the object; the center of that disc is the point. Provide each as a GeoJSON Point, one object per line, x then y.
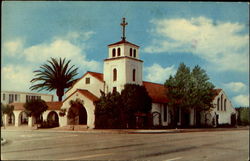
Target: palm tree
{"type": "Point", "coordinates": [56, 75]}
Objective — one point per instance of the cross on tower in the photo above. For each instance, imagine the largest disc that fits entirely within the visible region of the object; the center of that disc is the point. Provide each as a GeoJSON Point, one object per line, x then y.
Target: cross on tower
{"type": "Point", "coordinates": [123, 24]}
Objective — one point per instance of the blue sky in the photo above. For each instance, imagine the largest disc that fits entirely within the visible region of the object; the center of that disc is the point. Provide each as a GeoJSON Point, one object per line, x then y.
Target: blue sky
{"type": "Point", "coordinates": [212, 35]}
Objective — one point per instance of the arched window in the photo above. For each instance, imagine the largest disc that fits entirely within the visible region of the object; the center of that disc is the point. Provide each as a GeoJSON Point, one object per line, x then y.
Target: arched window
{"type": "Point", "coordinates": [131, 52]}
{"type": "Point", "coordinates": [225, 105]}
{"type": "Point", "coordinates": [119, 52]}
{"type": "Point", "coordinates": [113, 52]}
{"type": "Point", "coordinates": [114, 75]}
{"type": "Point", "coordinates": [134, 53]}
{"type": "Point", "coordinates": [133, 74]}
{"type": "Point", "coordinates": [221, 105]}
{"type": "Point", "coordinates": [218, 104]}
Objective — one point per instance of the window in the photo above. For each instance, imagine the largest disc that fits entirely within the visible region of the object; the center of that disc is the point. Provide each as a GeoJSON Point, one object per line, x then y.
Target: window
{"type": "Point", "coordinates": [114, 89]}
{"type": "Point", "coordinates": [225, 105]}
{"type": "Point", "coordinates": [4, 96]}
{"type": "Point", "coordinates": [114, 75]}
{"type": "Point", "coordinates": [218, 104]}
{"type": "Point", "coordinates": [27, 98]}
{"type": "Point", "coordinates": [165, 114]}
{"type": "Point", "coordinates": [133, 74]}
{"type": "Point", "coordinates": [87, 81]}
{"type": "Point", "coordinates": [113, 52]}
{"type": "Point", "coordinates": [134, 53]}
{"type": "Point", "coordinates": [15, 97]}
{"type": "Point", "coordinates": [11, 98]}
{"type": "Point", "coordinates": [221, 105]}
{"type": "Point", "coordinates": [131, 52]}
{"type": "Point", "coordinates": [119, 52]}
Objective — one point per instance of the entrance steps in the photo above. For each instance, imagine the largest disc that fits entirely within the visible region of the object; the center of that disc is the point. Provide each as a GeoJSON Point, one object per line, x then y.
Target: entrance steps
{"type": "Point", "coordinates": [75, 127]}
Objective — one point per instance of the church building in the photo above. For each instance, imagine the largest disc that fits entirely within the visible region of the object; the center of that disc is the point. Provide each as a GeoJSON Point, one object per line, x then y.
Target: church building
{"type": "Point", "coordinates": [122, 66]}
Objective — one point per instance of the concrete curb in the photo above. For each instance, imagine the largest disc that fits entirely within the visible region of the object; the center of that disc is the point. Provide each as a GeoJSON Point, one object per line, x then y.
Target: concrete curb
{"type": "Point", "coordinates": [127, 131]}
{"type": "Point", "coordinates": [3, 141]}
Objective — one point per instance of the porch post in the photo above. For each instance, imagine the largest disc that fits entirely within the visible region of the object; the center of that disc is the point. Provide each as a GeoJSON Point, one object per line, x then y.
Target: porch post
{"type": "Point", "coordinates": [5, 120]}
{"type": "Point", "coordinates": [31, 121]}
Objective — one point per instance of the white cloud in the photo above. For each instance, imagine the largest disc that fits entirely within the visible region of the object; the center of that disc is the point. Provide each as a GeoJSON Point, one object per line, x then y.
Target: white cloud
{"type": "Point", "coordinates": [236, 86]}
{"type": "Point", "coordinates": [242, 100]}
{"type": "Point", "coordinates": [16, 77]}
{"type": "Point", "coordinates": [13, 48]}
{"type": "Point", "coordinates": [157, 73]}
{"type": "Point", "coordinates": [220, 43]}
{"type": "Point", "coordinates": [64, 47]}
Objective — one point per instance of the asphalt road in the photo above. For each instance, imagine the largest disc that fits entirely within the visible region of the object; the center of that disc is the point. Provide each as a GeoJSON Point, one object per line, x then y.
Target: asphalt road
{"type": "Point", "coordinates": [191, 146]}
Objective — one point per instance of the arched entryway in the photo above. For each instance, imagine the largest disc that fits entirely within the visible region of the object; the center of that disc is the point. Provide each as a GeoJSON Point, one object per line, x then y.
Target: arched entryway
{"type": "Point", "coordinates": [23, 118]}
{"type": "Point", "coordinates": [156, 118]}
{"type": "Point", "coordinates": [77, 114]}
{"type": "Point", "coordinates": [53, 119]}
{"type": "Point", "coordinates": [82, 116]}
{"type": "Point", "coordinates": [11, 119]}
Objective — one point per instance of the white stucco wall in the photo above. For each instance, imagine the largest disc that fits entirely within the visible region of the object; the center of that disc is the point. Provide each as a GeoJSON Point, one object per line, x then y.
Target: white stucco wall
{"type": "Point", "coordinates": [89, 106]}
{"type": "Point", "coordinates": [21, 96]}
{"type": "Point", "coordinates": [224, 115]}
{"type": "Point", "coordinates": [158, 107]}
{"type": "Point", "coordinates": [94, 87]}
{"type": "Point", "coordinates": [124, 67]}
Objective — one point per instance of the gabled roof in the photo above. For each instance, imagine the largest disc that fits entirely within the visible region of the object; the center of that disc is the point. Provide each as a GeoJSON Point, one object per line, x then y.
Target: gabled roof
{"type": "Point", "coordinates": [217, 92]}
{"type": "Point", "coordinates": [86, 93]}
{"type": "Point", "coordinates": [51, 105]}
{"type": "Point", "coordinates": [123, 42]}
{"type": "Point", "coordinates": [98, 76]}
{"type": "Point", "coordinates": [157, 92]}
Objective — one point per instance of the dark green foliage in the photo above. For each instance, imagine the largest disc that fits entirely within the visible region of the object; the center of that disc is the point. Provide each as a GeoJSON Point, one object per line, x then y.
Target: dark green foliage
{"type": "Point", "coordinates": [115, 110]}
{"type": "Point", "coordinates": [7, 109]}
{"type": "Point", "coordinates": [55, 75]}
{"type": "Point", "coordinates": [35, 107]}
{"type": "Point", "coordinates": [108, 111]}
{"type": "Point", "coordinates": [243, 116]}
{"type": "Point", "coordinates": [190, 89]}
{"type": "Point", "coordinates": [135, 99]}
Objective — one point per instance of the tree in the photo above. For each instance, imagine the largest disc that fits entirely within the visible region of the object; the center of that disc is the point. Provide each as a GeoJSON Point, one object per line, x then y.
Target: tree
{"type": "Point", "coordinates": [55, 75]}
{"type": "Point", "coordinates": [190, 89]}
{"type": "Point", "coordinates": [7, 109]}
{"type": "Point", "coordinates": [74, 110]}
{"type": "Point", "coordinates": [135, 100]}
{"type": "Point", "coordinates": [108, 111]}
{"type": "Point", "coordinates": [115, 110]}
{"type": "Point", "coordinates": [35, 107]}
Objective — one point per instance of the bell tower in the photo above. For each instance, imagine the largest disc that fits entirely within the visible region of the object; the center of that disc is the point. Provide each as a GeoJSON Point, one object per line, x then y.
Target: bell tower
{"type": "Point", "coordinates": [123, 65]}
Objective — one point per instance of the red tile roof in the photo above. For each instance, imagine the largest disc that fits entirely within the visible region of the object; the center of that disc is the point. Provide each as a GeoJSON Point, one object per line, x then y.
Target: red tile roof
{"type": "Point", "coordinates": [216, 92]}
{"type": "Point", "coordinates": [88, 94]}
{"type": "Point", "coordinates": [51, 105]}
{"type": "Point", "coordinates": [123, 42]}
{"type": "Point", "coordinates": [156, 91]}
{"type": "Point", "coordinates": [98, 76]}
{"type": "Point", "coordinates": [84, 92]}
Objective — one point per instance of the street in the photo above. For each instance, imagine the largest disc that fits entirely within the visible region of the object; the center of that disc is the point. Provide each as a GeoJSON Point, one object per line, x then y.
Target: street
{"type": "Point", "coordinates": [190, 146]}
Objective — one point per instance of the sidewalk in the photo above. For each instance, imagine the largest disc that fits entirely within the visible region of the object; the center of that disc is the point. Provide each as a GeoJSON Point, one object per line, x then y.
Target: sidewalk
{"type": "Point", "coordinates": [118, 131]}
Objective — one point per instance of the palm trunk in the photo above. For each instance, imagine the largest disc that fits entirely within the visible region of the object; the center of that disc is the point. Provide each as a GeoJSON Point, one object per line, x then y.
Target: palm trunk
{"type": "Point", "coordinates": [60, 93]}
